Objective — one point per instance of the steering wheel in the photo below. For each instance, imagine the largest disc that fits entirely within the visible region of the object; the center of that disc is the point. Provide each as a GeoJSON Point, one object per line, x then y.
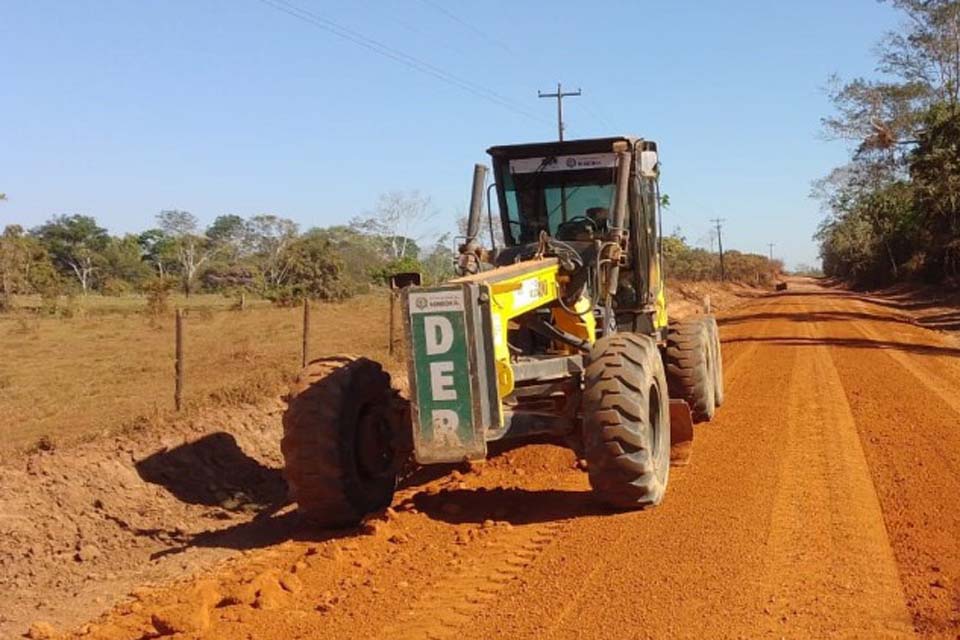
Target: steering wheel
{"type": "Point", "coordinates": [577, 226]}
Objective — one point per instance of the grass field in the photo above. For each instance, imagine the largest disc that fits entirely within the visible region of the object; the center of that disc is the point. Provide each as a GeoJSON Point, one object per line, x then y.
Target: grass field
{"type": "Point", "coordinates": [110, 367]}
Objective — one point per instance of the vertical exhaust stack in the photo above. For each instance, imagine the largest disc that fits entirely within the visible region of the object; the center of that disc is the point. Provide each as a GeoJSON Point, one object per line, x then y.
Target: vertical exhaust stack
{"type": "Point", "coordinates": [615, 237]}
{"type": "Point", "coordinates": [470, 250]}
{"type": "Point", "coordinates": [476, 202]}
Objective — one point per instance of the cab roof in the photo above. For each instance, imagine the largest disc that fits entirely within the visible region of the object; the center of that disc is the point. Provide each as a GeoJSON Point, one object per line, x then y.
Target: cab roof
{"type": "Point", "coordinates": [555, 148]}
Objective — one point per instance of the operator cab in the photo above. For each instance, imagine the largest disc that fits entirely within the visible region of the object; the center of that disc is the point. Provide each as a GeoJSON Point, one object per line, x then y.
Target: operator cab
{"type": "Point", "coordinates": [563, 193]}
{"type": "Point", "coordinates": [562, 188]}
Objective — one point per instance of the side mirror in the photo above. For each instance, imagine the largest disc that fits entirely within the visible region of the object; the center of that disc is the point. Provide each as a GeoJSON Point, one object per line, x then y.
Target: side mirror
{"type": "Point", "coordinates": [649, 164]}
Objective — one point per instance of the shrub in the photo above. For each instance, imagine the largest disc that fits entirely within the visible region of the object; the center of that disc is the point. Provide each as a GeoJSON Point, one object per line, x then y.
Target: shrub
{"type": "Point", "coordinates": [158, 295]}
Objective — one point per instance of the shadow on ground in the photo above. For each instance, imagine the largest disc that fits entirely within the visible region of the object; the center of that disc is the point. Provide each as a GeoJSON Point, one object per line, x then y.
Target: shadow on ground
{"type": "Point", "coordinates": [949, 321]}
{"type": "Point", "coordinates": [214, 468]}
{"type": "Point", "coordinates": [851, 343]}
{"type": "Point", "coordinates": [214, 471]}
{"type": "Point", "coordinates": [810, 316]}
{"type": "Point", "coordinates": [514, 505]}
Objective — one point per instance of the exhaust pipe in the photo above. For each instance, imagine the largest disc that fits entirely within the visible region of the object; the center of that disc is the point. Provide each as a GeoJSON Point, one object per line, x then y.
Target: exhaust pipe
{"type": "Point", "coordinates": [476, 202]}
{"type": "Point", "coordinates": [618, 222]}
{"type": "Point", "coordinates": [471, 253]}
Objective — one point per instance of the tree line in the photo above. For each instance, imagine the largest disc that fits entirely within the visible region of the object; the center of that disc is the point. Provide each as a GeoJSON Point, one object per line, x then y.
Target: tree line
{"type": "Point", "coordinates": [893, 211]}
{"type": "Point", "coordinates": [684, 262]}
{"type": "Point", "coordinates": [264, 254]}
{"type": "Point", "coordinates": [268, 255]}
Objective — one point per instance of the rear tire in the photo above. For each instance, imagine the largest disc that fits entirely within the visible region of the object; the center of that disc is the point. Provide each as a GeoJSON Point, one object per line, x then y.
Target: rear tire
{"type": "Point", "coordinates": [338, 445]}
{"type": "Point", "coordinates": [626, 421]}
{"type": "Point", "coordinates": [716, 359]}
{"type": "Point", "coordinates": [690, 371]}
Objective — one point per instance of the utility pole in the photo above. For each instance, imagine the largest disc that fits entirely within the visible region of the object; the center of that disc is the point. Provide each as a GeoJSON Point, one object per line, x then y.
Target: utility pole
{"type": "Point", "coordinates": [771, 245]}
{"type": "Point", "coordinates": [719, 222]}
{"type": "Point", "coordinates": [559, 95]}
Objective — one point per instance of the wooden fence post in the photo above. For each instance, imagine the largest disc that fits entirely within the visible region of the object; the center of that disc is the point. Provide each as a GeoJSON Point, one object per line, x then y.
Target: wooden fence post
{"type": "Point", "coordinates": [393, 298]}
{"type": "Point", "coordinates": [306, 331]}
{"type": "Point", "coordinates": [178, 365]}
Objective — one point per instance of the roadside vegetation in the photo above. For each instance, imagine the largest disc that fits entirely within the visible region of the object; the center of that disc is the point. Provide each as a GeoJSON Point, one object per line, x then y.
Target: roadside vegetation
{"type": "Point", "coordinates": [265, 256]}
{"type": "Point", "coordinates": [684, 262]}
{"type": "Point", "coordinates": [893, 211]}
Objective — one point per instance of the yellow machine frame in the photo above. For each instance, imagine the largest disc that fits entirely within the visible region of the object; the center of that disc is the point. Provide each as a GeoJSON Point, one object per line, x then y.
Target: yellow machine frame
{"type": "Point", "coordinates": [521, 288]}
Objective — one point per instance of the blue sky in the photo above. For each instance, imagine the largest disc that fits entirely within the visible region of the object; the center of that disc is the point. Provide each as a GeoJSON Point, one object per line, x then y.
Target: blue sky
{"type": "Point", "coordinates": [122, 108]}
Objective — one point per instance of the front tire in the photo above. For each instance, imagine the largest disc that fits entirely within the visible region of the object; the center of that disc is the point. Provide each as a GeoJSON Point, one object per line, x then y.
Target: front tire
{"type": "Point", "coordinates": [626, 421]}
{"type": "Point", "coordinates": [338, 444]}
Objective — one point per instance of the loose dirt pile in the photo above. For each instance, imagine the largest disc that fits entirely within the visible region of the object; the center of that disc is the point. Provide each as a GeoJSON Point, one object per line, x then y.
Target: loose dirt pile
{"type": "Point", "coordinates": [474, 528]}
{"type": "Point", "coordinates": [81, 526]}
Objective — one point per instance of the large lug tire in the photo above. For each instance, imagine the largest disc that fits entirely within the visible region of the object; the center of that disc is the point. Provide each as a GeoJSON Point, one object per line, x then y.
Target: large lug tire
{"type": "Point", "coordinates": [689, 363]}
{"type": "Point", "coordinates": [339, 441]}
{"type": "Point", "coordinates": [626, 421]}
{"type": "Point", "coordinates": [716, 359]}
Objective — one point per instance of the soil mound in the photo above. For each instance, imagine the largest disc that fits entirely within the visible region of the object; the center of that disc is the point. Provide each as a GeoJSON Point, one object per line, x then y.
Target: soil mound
{"type": "Point", "coordinates": [84, 524]}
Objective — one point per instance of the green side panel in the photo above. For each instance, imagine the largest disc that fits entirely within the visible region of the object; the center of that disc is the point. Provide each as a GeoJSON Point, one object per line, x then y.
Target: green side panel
{"type": "Point", "coordinates": [445, 411]}
{"type": "Point", "coordinates": [442, 376]}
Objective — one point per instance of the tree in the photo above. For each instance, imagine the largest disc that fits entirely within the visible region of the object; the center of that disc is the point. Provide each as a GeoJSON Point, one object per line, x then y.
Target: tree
{"type": "Point", "coordinates": [892, 209]}
{"type": "Point", "coordinates": [934, 167]}
{"type": "Point", "coordinates": [313, 270]}
{"type": "Point", "coordinates": [231, 234]}
{"type": "Point", "coordinates": [157, 249]}
{"type": "Point", "coordinates": [484, 236]}
{"type": "Point", "coordinates": [75, 243]}
{"type": "Point", "coordinates": [122, 263]}
{"type": "Point", "coordinates": [438, 265]}
{"type": "Point", "coordinates": [192, 248]}
{"type": "Point", "coordinates": [363, 256]}
{"type": "Point", "coordinates": [270, 237]}
{"type": "Point", "coordinates": [395, 218]}
{"type": "Point", "coordinates": [25, 266]}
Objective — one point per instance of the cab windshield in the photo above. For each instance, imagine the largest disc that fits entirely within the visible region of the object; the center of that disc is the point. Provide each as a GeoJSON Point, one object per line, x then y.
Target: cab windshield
{"type": "Point", "coordinates": [543, 193]}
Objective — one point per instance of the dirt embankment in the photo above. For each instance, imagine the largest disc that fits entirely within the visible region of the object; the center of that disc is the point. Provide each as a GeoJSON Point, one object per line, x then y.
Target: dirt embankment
{"type": "Point", "coordinates": [83, 525]}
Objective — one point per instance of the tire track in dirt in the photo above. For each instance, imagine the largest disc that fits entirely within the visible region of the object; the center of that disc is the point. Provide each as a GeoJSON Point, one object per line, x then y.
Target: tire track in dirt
{"type": "Point", "coordinates": [671, 571]}
{"type": "Point", "coordinates": [827, 517]}
{"type": "Point", "coordinates": [943, 384]}
{"type": "Point", "coordinates": [450, 603]}
{"type": "Point", "coordinates": [911, 441]}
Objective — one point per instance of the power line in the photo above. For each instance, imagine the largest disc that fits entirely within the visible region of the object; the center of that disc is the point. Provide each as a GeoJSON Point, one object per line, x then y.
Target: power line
{"type": "Point", "coordinates": [382, 11]}
{"type": "Point", "coordinates": [597, 116]}
{"type": "Point", "coordinates": [398, 56]}
{"type": "Point", "coordinates": [469, 26]}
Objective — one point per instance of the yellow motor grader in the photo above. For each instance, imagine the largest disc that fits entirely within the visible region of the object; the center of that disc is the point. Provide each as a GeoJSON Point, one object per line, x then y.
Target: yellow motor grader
{"type": "Point", "coordinates": [563, 332]}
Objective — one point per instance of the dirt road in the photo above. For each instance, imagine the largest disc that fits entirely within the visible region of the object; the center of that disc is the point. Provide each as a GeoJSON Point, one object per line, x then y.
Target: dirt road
{"type": "Point", "coordinates": [823, 501]}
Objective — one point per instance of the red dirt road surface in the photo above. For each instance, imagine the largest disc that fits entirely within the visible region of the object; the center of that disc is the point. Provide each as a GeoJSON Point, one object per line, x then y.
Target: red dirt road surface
{"type": "Point", "coordinates": [822, 502]}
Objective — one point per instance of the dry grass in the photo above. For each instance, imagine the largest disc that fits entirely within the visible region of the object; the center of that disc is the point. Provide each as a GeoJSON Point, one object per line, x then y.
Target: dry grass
{"type": "Point", "coordinates": [95, 304]}
{"type": "Point", "coordinates": [111, 368]}
{"type": "Point", "coordinates": [75, 378]}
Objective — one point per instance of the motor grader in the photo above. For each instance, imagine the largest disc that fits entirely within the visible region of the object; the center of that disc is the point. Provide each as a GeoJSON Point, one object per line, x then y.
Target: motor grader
{"type": "Point", "coordinates": [562, 332]}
